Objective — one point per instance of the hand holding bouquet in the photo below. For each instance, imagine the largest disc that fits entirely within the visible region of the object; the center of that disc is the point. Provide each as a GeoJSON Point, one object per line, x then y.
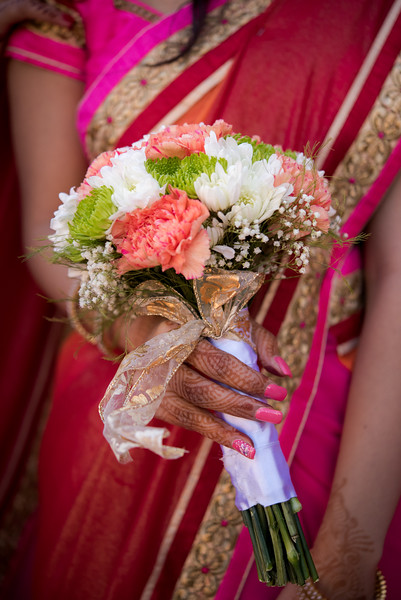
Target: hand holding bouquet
{"type": "Point", "coordinates": [186, 224]}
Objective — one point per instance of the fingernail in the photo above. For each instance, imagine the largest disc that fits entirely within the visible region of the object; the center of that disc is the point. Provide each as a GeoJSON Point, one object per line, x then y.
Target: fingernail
{"type": "Point", "coordinates": [275, 392]}
{"type": "Point", "coordinates": [282, 365]}
{"type": "Point", "coordinates": [269, 414]}
{"type": "Point", "coordinates": [244, 448]}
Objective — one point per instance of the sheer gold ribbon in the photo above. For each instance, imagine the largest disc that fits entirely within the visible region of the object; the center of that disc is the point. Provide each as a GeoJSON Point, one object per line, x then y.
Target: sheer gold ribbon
{"type": "Point", "coordinates": [136, 391]}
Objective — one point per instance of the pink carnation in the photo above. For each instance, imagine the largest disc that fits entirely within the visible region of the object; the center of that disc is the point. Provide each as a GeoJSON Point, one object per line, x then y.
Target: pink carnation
{"type": "Point", "coordinates": [311, 183]}
{"type": "Point", "coordinates": [167, 233]}
{"type": "Point", "coordinates": [302, 179]}
{"type": "Point", "coordinates": [322, 217]}
{"type": "Point", "coordinates": [183, 140]}
{"type": "Point", "coordinates": [94, 169]}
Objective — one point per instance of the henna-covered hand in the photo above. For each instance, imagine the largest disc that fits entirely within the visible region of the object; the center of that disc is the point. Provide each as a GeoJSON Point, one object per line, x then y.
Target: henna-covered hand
{"type": "Point", "coordinates": [194, 394]}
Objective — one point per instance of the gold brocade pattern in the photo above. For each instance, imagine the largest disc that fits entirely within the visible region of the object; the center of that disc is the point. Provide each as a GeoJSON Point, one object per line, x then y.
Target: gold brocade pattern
{"type": "Point", "coordinates": [346, 297]}
{"type": "Point", "coordinates": [361, 165]}
{"type": "Point", "coordinates": [74, 36]}
{"type": "Point", "coordinates": [353, 177]}
{"type": "Point", "coordinates": [140, 86]}
{"type": "Point", "coordinates": [140, 11]}
{"type": "Point", "coordinates": [204, 569]}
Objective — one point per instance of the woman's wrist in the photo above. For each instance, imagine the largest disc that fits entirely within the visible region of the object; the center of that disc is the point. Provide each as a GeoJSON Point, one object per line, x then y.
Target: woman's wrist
{"type": "Point", "coordinates": [310, 590]}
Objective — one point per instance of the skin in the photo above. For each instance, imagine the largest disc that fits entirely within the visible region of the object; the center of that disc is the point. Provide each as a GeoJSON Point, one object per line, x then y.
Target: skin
{"type": "Point", "coordinates": [351, 537]}
{"type": "Point", "coordinates": [350, 540]}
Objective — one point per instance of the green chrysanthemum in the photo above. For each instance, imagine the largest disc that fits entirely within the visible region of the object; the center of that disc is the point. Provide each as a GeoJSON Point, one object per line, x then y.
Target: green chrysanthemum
{"type": "Point", "coordinates": [92, 217]}
{"type": "Point", "coordinates": [182, 173]}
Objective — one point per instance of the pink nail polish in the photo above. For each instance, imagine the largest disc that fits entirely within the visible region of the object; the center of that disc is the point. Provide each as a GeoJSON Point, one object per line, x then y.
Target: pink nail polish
{"type": "Point", "coordinates": [282, 365]}
{"type": "Point", "coordinates": [275, 392]}
{"type": "Point", "coordinates": [244, 448]}
{"type": "Point", "coordinates": [268, 414]}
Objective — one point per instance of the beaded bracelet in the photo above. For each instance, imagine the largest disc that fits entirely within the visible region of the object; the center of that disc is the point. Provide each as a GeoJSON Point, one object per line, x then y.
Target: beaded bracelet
{"type": "Point", "coordinates": [310, 592]}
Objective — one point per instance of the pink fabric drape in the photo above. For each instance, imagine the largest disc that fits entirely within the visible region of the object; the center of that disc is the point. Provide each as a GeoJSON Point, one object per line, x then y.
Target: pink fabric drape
{"type": "Point", "coordinates": [28, 340]}
{"type": "Point", "coordinates": [100, 522]}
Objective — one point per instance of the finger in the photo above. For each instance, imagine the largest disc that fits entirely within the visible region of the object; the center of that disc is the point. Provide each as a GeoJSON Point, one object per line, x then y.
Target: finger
{"type": "Point", "coordinates": [177, 411]}
{"type": "Point", "coordinates": [267, 349]}
{"type": "Point", "coordinates": [206, 394]}
{"type": "Point", "coordinates": [227, 369]}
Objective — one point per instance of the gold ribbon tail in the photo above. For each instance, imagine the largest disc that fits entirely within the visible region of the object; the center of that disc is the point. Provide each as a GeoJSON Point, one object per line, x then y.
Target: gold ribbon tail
{"type": "Point", "coordinates": [136, 391]}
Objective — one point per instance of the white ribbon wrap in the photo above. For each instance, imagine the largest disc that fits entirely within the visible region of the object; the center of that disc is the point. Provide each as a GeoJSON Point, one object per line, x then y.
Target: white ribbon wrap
{"type": "Point", "coordinates": [265, 479]}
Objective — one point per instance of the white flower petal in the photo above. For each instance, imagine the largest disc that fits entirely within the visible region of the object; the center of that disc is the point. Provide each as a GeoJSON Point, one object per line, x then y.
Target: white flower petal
{"type": "Point", "coordinates": [226, 251]}
{"type": "Point", "coordinates": [62, 217]}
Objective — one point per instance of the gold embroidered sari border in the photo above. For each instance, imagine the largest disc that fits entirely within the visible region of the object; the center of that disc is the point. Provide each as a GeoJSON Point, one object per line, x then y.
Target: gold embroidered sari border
{"type": "Point", "coordinates": [365, 163]}
{"type": "Point", "coordinates": [144, 82]}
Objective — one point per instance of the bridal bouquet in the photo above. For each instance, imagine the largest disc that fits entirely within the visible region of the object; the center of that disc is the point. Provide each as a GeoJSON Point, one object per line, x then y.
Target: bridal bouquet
{"type": "Point", "coordinates": [186, 223]}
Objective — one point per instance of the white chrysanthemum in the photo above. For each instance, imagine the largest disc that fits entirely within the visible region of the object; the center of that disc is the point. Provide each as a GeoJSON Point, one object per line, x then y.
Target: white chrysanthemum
{"type": "Point", "coordinates": [216, 231]}
{"type": "Point", "coordinates": [259, 199]}
{"type": "Point", "coordinates": [139, 143]}
{"type": "Point", "coordinates": [229, 149]}
{"type": "Point", "coordinates": [63, 215]}
{"type": "Point", "coordinates": [222, 189]}
{"type": "Point", "coordinates": [273, 165]}
{"type": "Point", "coordinates": [133, 186]}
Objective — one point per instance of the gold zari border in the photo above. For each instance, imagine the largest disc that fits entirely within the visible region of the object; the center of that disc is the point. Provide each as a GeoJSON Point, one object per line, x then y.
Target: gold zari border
{"type": "Point", "coordinates": [212, 552]}
{"type": "Point", "coordinates": [73, 36]}
{"type": "Point", "coordinates": [360, 167]}
{"type": "Point", "coordinates": [139, 11]}
{"type": "Point", "coordinates": [353, 177]}
{"type": "Point", "coordinates": [140, 86]}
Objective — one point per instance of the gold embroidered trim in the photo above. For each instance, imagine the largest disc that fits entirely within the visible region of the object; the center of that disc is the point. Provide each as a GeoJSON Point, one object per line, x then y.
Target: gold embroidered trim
{"type": "Point", "coordinates": [139, 11]}
{"type": "Point", "coordinates": [140, 86]}
{"type": "Point", "coordinates": [346, 296]}
{"type": "Point", "coordinates": [353, 177]}
{"type": "Point", "coordinates": [177, 517]}
{"type": "Point", "coordinates": [74, 36]}
{"type": "Point", "coordinates": [214, 544]}
{"type": "Point", "coordinates": [362, 164]}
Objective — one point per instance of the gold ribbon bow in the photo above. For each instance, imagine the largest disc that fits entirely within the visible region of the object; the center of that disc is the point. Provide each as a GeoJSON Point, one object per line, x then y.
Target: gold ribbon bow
{"type": "Point", "coordinates": [136, 391]}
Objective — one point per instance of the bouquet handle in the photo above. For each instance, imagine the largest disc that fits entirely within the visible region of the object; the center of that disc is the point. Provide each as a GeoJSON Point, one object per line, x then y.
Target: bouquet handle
{"type": "Point", "coordinates": [265, 494]}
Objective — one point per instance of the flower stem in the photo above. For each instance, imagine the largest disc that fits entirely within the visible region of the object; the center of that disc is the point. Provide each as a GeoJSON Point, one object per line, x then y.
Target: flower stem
{"type": "Point", "coordinates": [308, 557]}
{"type": "Point", "coordinates": [281, 574]}
{"type": "Point", "coordinates": [256, 548]}
{"type": "Point", "coordinates": [293, 531]}
{"type": "Point", "coordinates": [280, 549]}
{"type": "Point", "coordinates": [258, 529]}
{"type": "Point", "coordinates": [292, 554]}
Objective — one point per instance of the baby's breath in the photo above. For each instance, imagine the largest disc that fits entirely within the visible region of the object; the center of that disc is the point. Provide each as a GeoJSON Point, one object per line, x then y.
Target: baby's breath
{"type": "Point", "coordinates": [101, 287]}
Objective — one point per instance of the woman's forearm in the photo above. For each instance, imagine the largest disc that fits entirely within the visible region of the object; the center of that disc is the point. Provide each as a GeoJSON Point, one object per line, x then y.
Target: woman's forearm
{"type": "Point", "coordinates": [49, 157]}
{"type": "Point", "coordinates": [367, 482]}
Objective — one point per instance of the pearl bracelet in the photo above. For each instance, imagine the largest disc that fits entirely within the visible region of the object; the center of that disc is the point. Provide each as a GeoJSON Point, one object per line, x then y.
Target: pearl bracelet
{"type": "Point", "coordinates": [310, 592]}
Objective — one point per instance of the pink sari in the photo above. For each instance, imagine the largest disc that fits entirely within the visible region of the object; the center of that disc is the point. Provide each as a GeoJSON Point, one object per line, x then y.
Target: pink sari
{"type": "Point", "coordinates": [144, 530]}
